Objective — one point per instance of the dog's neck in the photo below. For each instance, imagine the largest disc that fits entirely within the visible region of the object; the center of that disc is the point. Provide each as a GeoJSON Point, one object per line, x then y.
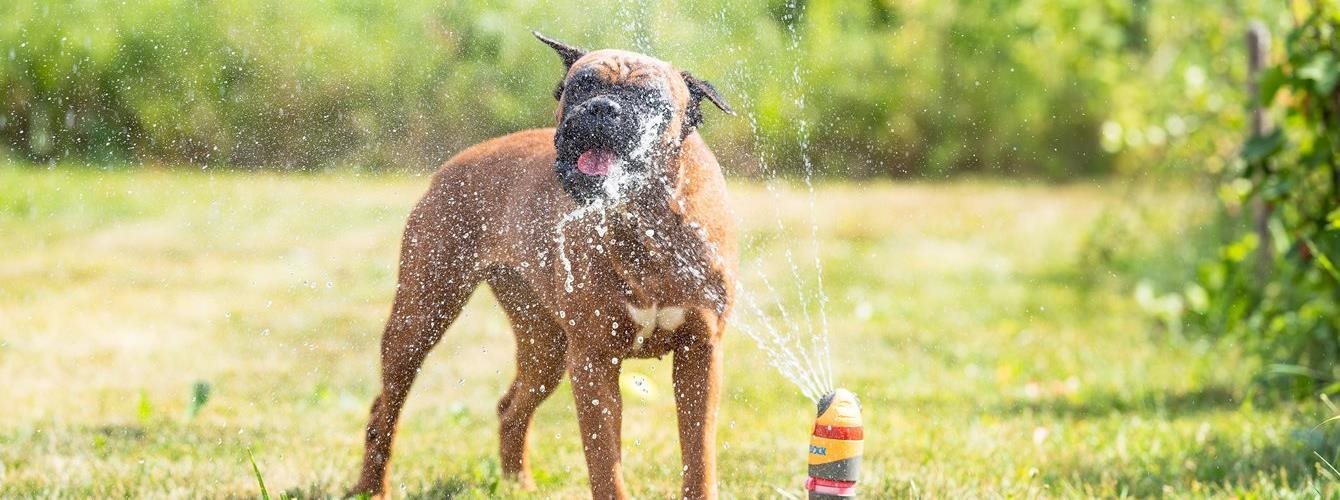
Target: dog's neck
{"type": "Point", "coordinates": [660, 250]}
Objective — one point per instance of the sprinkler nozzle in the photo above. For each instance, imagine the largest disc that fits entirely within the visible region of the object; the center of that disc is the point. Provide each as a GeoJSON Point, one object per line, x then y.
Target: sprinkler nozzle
{"type": "Point", "coordinates": [836, 446]}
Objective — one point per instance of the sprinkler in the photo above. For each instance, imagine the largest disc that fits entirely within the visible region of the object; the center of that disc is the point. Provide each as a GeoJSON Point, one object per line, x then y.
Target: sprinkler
{"type": "Point", "coordinates": [835, 447]}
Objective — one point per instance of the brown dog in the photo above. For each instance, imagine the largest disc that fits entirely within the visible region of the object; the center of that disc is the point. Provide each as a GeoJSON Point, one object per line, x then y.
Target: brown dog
{"type": "Point", "coordinates": [605, 239]}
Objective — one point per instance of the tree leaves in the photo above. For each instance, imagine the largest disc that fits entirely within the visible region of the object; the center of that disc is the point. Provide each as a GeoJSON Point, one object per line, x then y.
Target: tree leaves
{"type": "Point", "coordinates": [1323, 71]}
{"type": "Point", "coordinates": [1281, 303]}
{"type": "Point", "coordinates": [1271, 81]}
{"type": "Point", "coordinates": [1259, 148]}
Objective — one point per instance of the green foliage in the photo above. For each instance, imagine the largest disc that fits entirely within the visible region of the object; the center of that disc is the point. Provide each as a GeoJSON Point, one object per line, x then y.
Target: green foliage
{"type": "Point", "coordinates": [1046, 88]}
{"type": "Point", "coordinates": [144, 411]}
{"type": "Point", "coordinates": [1284, 303]}
{"type": "Point", "coordinates": [260, 480]}
{"type": "Point", "coordinates": [199, 396]}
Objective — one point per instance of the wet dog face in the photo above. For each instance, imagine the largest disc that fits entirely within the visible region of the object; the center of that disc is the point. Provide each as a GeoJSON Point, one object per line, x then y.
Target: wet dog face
{"type": "Point", "coordinates": [621, 119]}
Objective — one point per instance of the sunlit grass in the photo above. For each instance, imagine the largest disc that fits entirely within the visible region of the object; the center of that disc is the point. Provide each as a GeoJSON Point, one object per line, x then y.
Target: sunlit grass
{"type": "Point", "coordinates": [993, 357]}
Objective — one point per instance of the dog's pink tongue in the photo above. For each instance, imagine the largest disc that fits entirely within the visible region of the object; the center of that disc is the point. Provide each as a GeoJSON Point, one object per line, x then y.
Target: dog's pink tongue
{"type": "Point", "coordinates": [596, 162]}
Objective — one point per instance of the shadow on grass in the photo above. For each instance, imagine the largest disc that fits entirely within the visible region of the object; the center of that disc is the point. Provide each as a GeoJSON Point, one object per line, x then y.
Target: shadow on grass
{"type": "Point", "coordinates": [476, 477]}
{"type": "Point", "coordinates": [443, 488]}
{"type": "Point", "coordinates": [1170, 403]}
{"type": "Point", "coordinates": [125, 432]}
{"type": "Point", "coordinates": [1220, 463]}
{"type": "Point", "coordinates": [481, 479]}
{"type": "Point", "coordinates": [449, 487]}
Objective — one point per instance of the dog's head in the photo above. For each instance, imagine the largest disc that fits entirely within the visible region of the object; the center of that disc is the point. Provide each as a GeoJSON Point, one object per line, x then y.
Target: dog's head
{"type": "Point", "coordinates": [622, 117]}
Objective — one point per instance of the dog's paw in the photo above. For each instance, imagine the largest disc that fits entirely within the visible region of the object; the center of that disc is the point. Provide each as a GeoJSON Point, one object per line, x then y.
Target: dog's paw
{"type": "Point", "coordinates": [523, 481]}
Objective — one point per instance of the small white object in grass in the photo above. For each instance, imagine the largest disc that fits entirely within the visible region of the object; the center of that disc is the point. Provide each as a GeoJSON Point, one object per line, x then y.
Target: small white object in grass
{"type": "Point", "coordinates": [1040, 434]}
{"type": "Point", "coordinates": [637, 384]}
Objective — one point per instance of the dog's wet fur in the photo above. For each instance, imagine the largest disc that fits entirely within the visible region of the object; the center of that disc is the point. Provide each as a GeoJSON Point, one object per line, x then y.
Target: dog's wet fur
{"type": "Point", "coordinates": [649, 248]}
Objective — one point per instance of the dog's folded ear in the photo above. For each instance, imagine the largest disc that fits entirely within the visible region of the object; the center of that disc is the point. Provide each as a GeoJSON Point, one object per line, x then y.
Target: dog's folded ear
{"type": "Point", "coordinates": [699, 90]}
{"type": "Point", "coordinates": [569, 53]}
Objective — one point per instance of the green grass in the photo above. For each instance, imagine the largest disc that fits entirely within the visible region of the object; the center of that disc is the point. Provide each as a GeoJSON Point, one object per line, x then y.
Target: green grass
{"type": "Point", "coordinates": [995, 355]}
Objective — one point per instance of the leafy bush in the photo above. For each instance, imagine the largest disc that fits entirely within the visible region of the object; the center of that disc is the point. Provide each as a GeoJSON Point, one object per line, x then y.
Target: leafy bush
{"type": "Point", "coordinates": [1284, 304]}
{"type": "Point", "coordinates": [1054, 88]}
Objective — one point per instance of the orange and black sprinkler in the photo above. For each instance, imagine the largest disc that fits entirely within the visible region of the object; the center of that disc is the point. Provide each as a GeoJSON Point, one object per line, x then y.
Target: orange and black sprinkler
{"type": "Point", "coordinates": [836, 446]}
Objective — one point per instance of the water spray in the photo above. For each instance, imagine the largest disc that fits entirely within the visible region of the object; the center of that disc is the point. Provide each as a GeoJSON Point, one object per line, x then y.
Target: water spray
{"type": "Point", "coordinates": [836, 446]}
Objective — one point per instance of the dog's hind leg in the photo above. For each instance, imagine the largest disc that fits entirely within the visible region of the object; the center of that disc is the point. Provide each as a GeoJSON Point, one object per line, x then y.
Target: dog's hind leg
{"type": "Point", "coordinates": [435, 282]}
{"type": "Point", "coordinates": [540, 352]}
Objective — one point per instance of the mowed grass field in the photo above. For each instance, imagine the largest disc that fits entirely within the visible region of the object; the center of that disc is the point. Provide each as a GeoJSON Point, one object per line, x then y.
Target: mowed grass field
{"type": "Point", "coordinates": [991, 331]}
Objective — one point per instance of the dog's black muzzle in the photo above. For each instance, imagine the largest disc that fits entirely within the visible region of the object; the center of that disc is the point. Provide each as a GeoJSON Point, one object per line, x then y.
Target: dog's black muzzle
{"type": "Point", "coordinates": [601, 123]}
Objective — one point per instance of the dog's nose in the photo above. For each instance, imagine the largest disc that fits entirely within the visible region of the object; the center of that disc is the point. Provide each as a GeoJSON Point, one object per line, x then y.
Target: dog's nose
{"type": "Point", "coordinates": [602, 107]}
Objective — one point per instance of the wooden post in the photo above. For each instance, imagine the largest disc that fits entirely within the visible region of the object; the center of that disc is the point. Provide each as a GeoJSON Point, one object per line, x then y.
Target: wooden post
{"type": "Point", "coordinates": [1258, 48]}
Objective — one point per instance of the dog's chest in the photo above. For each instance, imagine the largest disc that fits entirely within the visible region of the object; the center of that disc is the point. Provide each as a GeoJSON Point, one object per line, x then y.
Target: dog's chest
{"type": "Point", "coordinates": [653, 322]}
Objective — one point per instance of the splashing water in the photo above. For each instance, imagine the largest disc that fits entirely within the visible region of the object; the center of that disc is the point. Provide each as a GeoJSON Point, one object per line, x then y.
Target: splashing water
{"type": "Point", "coordinates": [796, 342]}
{"type": "Point", "coordinates": [614, 185]}
{"type": "Point", "coordinates": [561, 238]}
{"type": "Point", "coordinates": [796, 346]}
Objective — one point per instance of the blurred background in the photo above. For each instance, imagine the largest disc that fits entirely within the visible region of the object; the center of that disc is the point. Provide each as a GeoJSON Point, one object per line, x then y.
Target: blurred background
{"type": "Point", "coordinates": [1069, 247]}
{"type": "Point", "coordinates": [1056, 89]}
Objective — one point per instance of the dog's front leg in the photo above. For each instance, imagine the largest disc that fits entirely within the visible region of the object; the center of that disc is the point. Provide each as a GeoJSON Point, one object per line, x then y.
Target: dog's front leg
{"type": "Point", "coordinates": [595, 388]}
{"type": "Point", "coordinates": [697, 375]}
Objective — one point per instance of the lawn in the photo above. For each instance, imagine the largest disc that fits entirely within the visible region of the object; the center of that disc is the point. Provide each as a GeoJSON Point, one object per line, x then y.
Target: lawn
{"type": "Point", "coordinates": [991, 329]}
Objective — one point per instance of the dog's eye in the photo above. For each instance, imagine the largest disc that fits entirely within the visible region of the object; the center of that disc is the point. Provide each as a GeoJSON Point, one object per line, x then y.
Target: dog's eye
{"type": "Point", "coordinates": [652, 99]}
{"type": "Point", "coordinates": [581, 84]}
